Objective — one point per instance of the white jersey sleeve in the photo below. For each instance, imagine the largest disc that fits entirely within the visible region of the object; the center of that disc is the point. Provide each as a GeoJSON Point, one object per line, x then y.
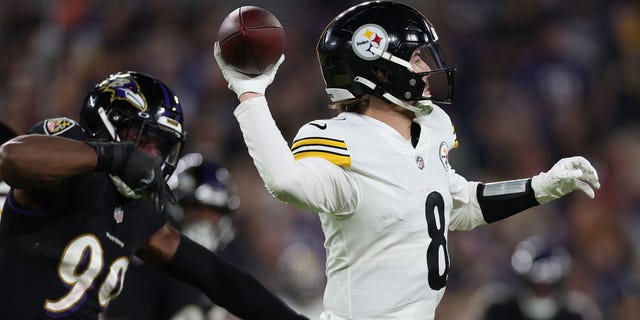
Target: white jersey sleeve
{"type": "Point", "coordinates": [466, 213]}
{"type": "Point", "coordinates": [311, 183]}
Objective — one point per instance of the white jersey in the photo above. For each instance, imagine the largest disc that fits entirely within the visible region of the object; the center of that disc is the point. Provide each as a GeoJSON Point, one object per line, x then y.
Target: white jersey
{"type": "Point", "coordinates": [384, 205]}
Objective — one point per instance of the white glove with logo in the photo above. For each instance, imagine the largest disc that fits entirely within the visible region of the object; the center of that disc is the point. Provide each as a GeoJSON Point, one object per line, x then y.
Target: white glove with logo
{"type": "Point", "coordinates": [241, 83]}
{"type": "Point", "coordinates": [566, 175]}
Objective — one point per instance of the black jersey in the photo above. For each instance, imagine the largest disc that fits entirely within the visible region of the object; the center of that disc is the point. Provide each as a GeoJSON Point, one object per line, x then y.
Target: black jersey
{"type": "Point", "coordinates": [70, 260]}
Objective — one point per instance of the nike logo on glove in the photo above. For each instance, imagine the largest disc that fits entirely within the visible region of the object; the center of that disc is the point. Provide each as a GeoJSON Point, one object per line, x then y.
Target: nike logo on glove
{"type": "Point", "coordinates": [321, 127]}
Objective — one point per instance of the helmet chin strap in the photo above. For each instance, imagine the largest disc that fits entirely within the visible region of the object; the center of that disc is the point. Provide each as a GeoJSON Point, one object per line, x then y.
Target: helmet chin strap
{"type": "Point", "coordinates": [421, 106]}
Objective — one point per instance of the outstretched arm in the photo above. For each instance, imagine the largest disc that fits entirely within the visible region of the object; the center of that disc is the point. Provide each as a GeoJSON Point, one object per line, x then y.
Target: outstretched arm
{"type": "Point", "coordinates": [311, 184]}
{"type": "Point", "coordinates": [502, 199]}
{"type": "Point", "coordinates": [36, 165]}
{"type": "Point", "coordinates": [480, 203]}
{"type": "Point", "coordinates": [226, 285]}
{"type": "Point", "coordinates": [41, 161]}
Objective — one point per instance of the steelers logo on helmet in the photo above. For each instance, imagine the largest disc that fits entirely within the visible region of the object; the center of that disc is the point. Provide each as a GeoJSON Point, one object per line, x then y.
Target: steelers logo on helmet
{"type": "Point", "coordinates": [367, 37]}
{"type": "Point", "coordinates": [124, 88]}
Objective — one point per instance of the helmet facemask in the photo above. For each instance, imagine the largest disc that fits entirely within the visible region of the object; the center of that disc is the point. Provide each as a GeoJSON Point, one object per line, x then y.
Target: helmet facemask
{"type": "Point", "coordinates": [147, 134]}
{"type": "Point", "coordinates": [414, 83]}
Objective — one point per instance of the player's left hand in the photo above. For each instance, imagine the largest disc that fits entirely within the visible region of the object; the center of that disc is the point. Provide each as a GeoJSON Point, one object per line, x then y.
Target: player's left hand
{"type": "Point", "coordinates": [241, 83]}
{"type": "Point", "coordinates": [565, 176]}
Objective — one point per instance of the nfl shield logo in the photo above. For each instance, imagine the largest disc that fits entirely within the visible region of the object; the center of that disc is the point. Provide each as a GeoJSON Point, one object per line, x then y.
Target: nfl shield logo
{"type": "Point", "coordinates": [420, 162]}
{"type": "Point", "coordinates": [118, 214]}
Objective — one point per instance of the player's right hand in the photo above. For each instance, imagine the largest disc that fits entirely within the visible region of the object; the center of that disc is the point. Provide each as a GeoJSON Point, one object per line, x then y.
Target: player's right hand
{"type": "Point", "coordinates": [141, 172]}
{"type": "Point", "coordinates": [241, 83]}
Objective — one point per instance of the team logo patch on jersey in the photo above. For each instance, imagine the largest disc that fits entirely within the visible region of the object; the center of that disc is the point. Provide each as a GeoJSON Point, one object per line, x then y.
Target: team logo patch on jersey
{"type": "Point", "coordinates": [118, 214]}
{"type": "Point", "coordinates": [444, 155]}
{"type": "Point", "coordinates": [54, 127]}
{"type": "Point", "coordinates": [367, 37]}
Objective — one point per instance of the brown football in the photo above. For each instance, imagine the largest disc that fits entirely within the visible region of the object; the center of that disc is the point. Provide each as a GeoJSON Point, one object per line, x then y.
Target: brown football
{"type": "Point", "coordinates": [251, 38]}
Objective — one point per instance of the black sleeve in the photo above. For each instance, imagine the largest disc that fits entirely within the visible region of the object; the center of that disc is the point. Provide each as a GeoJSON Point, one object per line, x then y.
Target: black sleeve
{"type": "Point", "coordinates": [505, 199]}
{"type": "Point", "coordinates": [226, 285]}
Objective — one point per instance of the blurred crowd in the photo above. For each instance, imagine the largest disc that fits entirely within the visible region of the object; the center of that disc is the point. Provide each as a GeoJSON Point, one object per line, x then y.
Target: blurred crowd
{"type": "Point", "coordinates": [537, 80]}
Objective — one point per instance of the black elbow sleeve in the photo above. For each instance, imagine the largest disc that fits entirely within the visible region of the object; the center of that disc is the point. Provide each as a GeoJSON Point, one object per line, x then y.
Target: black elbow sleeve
{"type": "Point", "coordinates": [500, 200]}
{"type": "Point", "coordinates": [226, 285]}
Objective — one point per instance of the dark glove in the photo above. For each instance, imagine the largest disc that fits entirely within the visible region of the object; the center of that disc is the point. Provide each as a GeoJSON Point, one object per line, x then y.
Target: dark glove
{"type": "Point", "coordinates": [140, 171]}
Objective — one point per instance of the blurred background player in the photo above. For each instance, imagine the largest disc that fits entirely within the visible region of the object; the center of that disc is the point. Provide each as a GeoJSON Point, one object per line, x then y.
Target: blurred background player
{"type": "Point", "coordinates": [540, 267]}
{"type": "Point", "coordinates": [206, 202]}
{"type": "Point", "coordinates": [6, 134]}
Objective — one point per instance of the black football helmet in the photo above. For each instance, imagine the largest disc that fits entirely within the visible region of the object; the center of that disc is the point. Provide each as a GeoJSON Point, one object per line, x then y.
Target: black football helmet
{"type": "Point", "coordinates": [367, 50]}
{"type": "Point", "coordinates": [202, 182]}
{"type": "Point", "coordinates": [129, 100]}
{"type": "Point", "coordinates": [206, 197]}
{"type": "Point", "coordinates": [541, 262]}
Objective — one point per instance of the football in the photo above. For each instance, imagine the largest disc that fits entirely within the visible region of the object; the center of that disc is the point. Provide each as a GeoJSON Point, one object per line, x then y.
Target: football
{"type": "Point", "coordinates": [251, 39]}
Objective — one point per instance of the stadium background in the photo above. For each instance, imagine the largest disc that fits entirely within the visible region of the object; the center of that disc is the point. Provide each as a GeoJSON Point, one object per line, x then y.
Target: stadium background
{"type": "Point", "coordinates": [537, 80]}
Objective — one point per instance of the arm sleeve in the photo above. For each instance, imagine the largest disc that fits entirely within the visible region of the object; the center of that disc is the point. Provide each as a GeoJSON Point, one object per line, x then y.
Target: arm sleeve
{"type": "Point", "coordinates": [312, 183]}
{"type": "Point", "coordinates": [225, 285]}
{"type": "Point", "coordinates": [503, 199]}
{"type": "Point", "coordinates": [475, 203]}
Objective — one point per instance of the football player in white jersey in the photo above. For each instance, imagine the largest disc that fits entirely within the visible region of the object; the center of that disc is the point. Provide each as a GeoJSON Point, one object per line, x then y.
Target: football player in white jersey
{"type": "Point", "coordinates": [378, 174]}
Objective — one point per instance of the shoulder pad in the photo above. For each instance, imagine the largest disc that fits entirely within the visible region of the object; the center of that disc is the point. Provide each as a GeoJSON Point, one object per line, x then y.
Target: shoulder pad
{"type": "Point", "coordinates": [321, 139]}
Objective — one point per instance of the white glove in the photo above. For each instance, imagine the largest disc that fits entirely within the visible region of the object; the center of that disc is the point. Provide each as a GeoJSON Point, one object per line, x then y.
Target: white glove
{"type": "Point", "coordinates": [566, 175]}
{"type": "Point", "coordinates": [241, 83]}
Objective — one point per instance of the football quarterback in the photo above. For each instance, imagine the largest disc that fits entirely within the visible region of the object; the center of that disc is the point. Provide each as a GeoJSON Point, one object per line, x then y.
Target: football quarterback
{"type": "Point", "coordinates": [379, 174]}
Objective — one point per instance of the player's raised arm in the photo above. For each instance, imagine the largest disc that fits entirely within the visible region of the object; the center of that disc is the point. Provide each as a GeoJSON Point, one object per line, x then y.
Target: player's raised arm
{"type": "Point", "coordinates": [41, 161]}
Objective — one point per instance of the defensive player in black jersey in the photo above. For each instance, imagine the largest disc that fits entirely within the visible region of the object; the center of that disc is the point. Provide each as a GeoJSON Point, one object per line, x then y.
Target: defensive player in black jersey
{"type": "Point", "coordinates": [86, 197]}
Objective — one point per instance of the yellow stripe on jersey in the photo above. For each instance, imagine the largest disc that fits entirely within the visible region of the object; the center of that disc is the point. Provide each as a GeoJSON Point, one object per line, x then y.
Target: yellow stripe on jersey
{"type": "Point", "coordinates": [316, 141]}
{"type": "Point", "coordinates": [337, 159]}
{"type": "Point", "coordinates": [329, 149]}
